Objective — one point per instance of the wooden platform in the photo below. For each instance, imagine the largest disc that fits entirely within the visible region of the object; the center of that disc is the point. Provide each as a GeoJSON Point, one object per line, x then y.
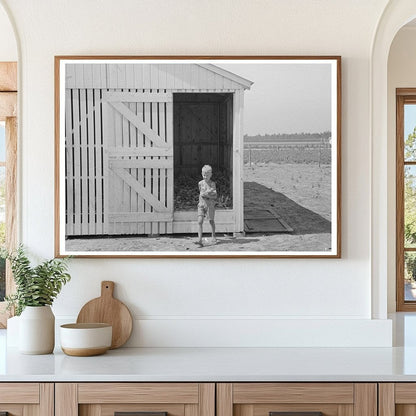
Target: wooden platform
{"type": "Point", "coordinates": [264, 221]}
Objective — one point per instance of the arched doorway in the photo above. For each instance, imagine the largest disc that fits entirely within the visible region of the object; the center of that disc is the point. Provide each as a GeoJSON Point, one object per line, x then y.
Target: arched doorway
{"type": "Point", "coordinates": [401, 95]}
{"type": "Point", "coordinates": [395, 16]}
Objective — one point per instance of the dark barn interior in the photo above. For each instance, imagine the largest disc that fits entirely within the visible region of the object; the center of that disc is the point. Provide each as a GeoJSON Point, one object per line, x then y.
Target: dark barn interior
{"type": "Point", "coordinates": [203, 135]}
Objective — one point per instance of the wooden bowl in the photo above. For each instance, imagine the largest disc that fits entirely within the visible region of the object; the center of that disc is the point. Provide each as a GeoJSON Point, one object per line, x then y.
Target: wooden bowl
{"type": "Point", "coordinates": [84, 340]}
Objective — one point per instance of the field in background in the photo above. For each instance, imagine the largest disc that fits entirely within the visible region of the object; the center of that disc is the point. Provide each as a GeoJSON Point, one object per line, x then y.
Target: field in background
{"type": "Point", "coordinates": [287, 152]}
{"type": "Point", "coordinates": [307, 184]}
{"type": "Point", "coordinates": [298, 166]}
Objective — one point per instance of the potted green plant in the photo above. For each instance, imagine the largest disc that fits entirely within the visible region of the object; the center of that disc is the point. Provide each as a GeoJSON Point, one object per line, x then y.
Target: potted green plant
{"type": "Point", "coordinates": [36, 289]}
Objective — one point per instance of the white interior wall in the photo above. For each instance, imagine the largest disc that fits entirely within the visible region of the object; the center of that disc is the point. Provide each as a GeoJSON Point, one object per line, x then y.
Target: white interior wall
{"type": "Point", "coordinates": [211, 302]}
{"type": "Point", "coordinates": [8, 46]}
{"type": "Point", "coordinates": [401, 74]}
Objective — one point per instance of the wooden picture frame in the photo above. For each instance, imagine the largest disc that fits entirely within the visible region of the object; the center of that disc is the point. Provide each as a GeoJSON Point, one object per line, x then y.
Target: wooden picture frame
{"type": "Point", "coordinates": [133, 133]}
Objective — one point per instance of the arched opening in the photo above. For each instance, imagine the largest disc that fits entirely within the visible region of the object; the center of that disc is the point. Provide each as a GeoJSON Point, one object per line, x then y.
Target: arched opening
{"type": "Point", "coordinates": [383, 239]}
{"type": "Point", "coordinates": [401, 124]}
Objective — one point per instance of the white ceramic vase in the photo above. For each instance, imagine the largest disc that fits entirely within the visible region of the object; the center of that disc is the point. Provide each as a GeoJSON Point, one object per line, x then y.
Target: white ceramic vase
{"type": "Point", "coordinates": [37, 330]}
{"type": "Point", "coordinates": [12, 334]}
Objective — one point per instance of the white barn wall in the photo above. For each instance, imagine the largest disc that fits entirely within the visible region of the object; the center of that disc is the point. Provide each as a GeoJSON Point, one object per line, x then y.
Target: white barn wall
{"type": "Point", "coordinates": [332, 296]}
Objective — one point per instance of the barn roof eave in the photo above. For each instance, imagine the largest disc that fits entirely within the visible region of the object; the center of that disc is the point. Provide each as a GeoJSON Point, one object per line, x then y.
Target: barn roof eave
{"type": "Point", "coordinates": [227, 74]}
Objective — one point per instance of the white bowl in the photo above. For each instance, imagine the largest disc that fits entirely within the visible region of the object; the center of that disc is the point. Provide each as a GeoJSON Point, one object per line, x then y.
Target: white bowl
{"type": "Point", "coordinates": [83, 340]}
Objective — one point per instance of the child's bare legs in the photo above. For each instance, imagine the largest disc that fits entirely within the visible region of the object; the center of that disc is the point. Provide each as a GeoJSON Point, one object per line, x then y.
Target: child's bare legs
{"type": "Point", "coordinates": [214, 238]}
{"type": "Point", "coordinates": [200, 222]}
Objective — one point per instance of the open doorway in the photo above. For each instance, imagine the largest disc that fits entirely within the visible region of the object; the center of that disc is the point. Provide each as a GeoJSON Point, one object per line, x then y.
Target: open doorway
{"type": "Point", "coordinates": [402, 125]}
{"type": "Point", "coordinates": [203, 135]}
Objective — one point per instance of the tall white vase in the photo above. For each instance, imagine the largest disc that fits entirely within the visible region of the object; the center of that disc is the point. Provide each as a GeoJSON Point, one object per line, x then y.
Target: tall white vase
{"type": "Point", "coordinates": [12, 334]}
{"type": "Point", "coordinates": [37, 330]}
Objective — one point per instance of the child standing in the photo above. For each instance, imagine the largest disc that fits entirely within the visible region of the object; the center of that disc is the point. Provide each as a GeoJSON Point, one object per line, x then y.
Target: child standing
{"type": "Point", "coordinates": [206, 204]}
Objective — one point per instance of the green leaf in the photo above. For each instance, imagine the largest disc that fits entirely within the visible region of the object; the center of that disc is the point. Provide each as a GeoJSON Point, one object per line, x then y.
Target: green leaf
{"type": "Point", "coordinates": [35, 286]}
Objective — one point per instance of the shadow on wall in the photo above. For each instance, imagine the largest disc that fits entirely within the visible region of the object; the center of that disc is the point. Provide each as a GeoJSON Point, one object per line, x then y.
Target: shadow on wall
{"type": "Point", "coordinates": [299, 218]}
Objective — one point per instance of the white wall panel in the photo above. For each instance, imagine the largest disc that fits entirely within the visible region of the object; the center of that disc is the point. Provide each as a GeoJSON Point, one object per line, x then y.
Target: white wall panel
{"type": "Point", "coordinates": [8, 46]}
{"type": "Point", "coordinates": [276, 288]}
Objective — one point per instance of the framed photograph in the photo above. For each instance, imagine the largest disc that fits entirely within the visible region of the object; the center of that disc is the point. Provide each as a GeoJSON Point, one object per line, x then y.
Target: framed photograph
{"type": "Point", "coordinates": [198, 156]}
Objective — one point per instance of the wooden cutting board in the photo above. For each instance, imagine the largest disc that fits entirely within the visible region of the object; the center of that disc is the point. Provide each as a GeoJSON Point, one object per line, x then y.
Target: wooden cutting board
{"type": "Point", "coordinates": [108, 310]}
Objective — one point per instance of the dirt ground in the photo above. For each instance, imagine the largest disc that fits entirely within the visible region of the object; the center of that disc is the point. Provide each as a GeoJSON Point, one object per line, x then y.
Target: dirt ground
{"type": "Point", "coordinates": [225, 243]}
{"type": "Point", "coordinates": [308, 185]}
{"type": "Point", "coordinates": [299, 193]}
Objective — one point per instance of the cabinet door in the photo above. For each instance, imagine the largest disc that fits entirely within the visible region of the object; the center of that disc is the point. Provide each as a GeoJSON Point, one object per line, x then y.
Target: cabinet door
{"type": "Point", "coordinates": [397, 399]}
{"type": "Point", "coordinates": [142, 399]}
{"type": "Point", "coordinates": [26, 399]}
{"type": "Point", "coordinates": [297, 399]}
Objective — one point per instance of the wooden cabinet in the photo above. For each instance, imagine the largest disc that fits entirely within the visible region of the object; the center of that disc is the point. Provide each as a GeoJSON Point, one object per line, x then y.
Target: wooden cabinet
{"type": "Point", "coordinates": [106, 399]}
{"type": "Point", "coordinates": [208, 399]}
{"type": "Point", "coordinates": [27, 399]}
{"type": "Point", "coordinates": [397, 399]}
{"type": "Point", "coordinates": [297, 399]}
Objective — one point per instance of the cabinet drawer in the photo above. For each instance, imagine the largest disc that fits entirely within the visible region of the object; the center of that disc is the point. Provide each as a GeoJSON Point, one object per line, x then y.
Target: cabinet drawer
{"type": "Point", "coordinates": [20, 399]}
{"type": "Point", "coordinates": [147, 399]}
{"type": "Point", "coordinates": [138, 393]}
{"type": "Point", "coordinates": [397, 399]}
{"type": "Point", "coordinates": [296, 399]}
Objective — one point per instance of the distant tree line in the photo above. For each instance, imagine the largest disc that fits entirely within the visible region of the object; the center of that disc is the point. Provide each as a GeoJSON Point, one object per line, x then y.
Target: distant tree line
{"type": "Point", "coordinates": [286, 137]}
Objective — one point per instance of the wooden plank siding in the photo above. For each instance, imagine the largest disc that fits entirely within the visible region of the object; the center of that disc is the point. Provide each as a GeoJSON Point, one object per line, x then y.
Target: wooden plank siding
{"type": "Point", "coordinates": [139, 174]}
{"type": "Point", "coordinates": [238, 162]}
{"type": "Point", "coordinates": [169, 178]}
{"type": "Point", "coordinates": [84, 157]}
{"type": "Point", "coordinates": [173, 77]}
{"type": "Point", "coordinates": [120, 129]}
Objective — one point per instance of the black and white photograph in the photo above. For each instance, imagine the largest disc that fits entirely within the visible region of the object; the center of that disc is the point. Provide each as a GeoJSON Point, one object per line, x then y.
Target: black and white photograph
{"type": "Point", "coordinates": [198, 157]}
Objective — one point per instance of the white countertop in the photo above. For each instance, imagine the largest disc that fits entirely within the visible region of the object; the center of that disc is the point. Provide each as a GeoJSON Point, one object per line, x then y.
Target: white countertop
{"type": "Point", "coordinates": [221, 364]}
{"type": "Point", "coordinates": [215, 364]}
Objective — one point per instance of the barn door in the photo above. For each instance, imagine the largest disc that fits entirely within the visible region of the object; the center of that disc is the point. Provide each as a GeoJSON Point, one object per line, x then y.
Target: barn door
{"type": "Point", "coordinates": [138, 143]}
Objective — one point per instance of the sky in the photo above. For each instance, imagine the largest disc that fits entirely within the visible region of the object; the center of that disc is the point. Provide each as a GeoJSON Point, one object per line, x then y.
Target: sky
{"type": "Point", "coordinates": [285, 98]}
{"type": "Point", "coordinates": [409, 119]}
